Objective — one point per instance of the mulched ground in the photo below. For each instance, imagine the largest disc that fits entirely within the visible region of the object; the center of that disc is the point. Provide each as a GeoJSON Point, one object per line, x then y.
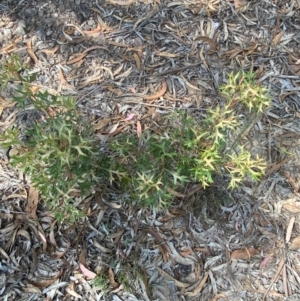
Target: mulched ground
{"type": "Point", "coordinates": [148, 58]}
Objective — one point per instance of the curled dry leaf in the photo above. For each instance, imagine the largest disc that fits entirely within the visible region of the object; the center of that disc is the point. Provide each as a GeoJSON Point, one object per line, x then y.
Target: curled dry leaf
{"type": "Point", "coordinates": [159, 93]}
{"type": "Point", "coordinates": [243, 253]}
{"type": "Point", "coordinates": [218, 296]}
{"type": "Point", "coordinates": [111, 278]}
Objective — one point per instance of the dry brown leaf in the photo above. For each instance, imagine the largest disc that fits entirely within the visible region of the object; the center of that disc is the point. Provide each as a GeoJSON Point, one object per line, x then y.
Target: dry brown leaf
{"type": "Point", "coordinates": [279, 269]}
{"type": "Point", "coordinates": [186, 252]}
{"type": "Point", "coordinates": [199, 287]}
{"type": "Point", "coordinates": [175, 193]}
{"type": "Point", "coordinates": [273, 167]}
{"type": "Point", "coordinates": [117, 44]}
{"type": "Point", "coordinates": [32, 202]}
{"type": "Point", "coordinates": [125, 74]}
{"type": "Point", "coordinates": [290, 229]}
{"type": "Point", "coordinates": [113, 90]}
{"type": "Point", "coordinates": [212, 44]}
{"type": "Point", "coordinates": [201, 55]}
{"type": "Point", "coordinates": [218, 296]}
{"type": "Point", "coordinates": [166, 54]}
{"type": "Point", "coordinates": [239, 4]}
{"type": "Point", "coordinates": [71, 292]}
{"type": "Point", "coordinates": [122, 2]}
{"type": "Point", "coordinates": [42, 283]}
{"type": "Point", "coordinates": [159, 239]}
{"type": "Point", "coordinates": [29, 288]}
{"type": "Point", "coordinates": [62, 254]}
{"type": "Point", "coordinates": [83, 54]}
{"type": "Point", "coordinates": [82, 256]}
{"type": "Point", "coordinates": [47, 282]}
{"type": "Point", "coordinates": [233, 53]}
{"type": "Point", "coordinates": [277, 38]}
{"type": "Point", "coordinates": [295, 245]}
{"type": "Point", "coordinates": [113, 128]}
{"type": "Point", "coordinates": [24, 233]}
{"type": "Point", "coordinates": [30, 51]}
{"type": "Point", "coordinates": [194, 190]}
{"type": "Point", "coordinates": [101, 124]}
{"type": "Point", "coordinates": [94, 32]}
{"type": "Point", "coordinates": [192, 87]}
{"type": "Point", "coordinates": [10, 48]}
{"type": "Point", "coordinates": [159, 93]}
{"type": "Point", "coordinates": [101, 248]}
{"type": "Point", "coordinates": [77, 59]}
{"type": "Point", "coordinates": [296, 68]}
{"type": "Point", "coordinates": [292, 207]}
{"type": "Point", "coordinates": [4, 254]}
{"type": "Point", "coordinates": [129, 117]}
{"type": "Point", "coordinates": [51, 51]}
{"type": "Point", "coordinates": [243, 253]}
{"type": "Point", "coordinates": [86, 272]}
{"type": "Point", "coordinates": [52, 236]}
{"type": "Point", "coordinates": [111, 278]}
{"type": "Point", "coordinates": [63, 80]}
{"type": "Point", "coordinates": [169, 277]}
{"type": "Point", "coordinates": [42, 236]}
{"type": "Point", "coordinates": [264, 262]}
{"type": "Point", "coordinates": [34, 89]}
{"type": "Point", "coordinates": [6, 104]}
{"type": "Point", "coordinates": [138, 129]}
{"type": "Point", "coordinates": [291, 181]}
{"type": "Point", "coordinates": [165, 255]}
{"type": "Point", "coordinates": [137, 60]}
{"type": "Point", "coordinates": [118, 289]}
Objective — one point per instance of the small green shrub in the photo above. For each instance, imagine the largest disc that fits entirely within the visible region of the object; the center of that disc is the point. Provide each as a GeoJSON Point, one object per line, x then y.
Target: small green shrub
{"type": "Point", "coordinates": [60, 153]}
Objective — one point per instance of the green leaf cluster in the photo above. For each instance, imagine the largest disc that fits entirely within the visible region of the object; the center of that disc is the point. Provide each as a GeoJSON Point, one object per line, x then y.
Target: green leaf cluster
{"type": "Point", "coordinates": [242, 87]}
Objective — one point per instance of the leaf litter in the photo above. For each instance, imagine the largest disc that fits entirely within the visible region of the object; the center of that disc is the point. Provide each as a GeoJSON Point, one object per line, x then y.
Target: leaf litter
{"type": "Point", "coordinates": [149, 57]}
